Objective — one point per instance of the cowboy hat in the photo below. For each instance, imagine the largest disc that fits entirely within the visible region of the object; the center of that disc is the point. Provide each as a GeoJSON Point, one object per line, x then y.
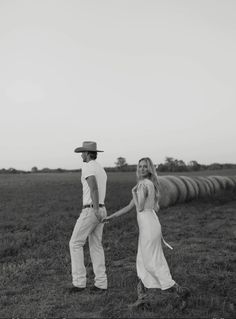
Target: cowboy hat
{"type": "Point", "coordinates": [87, 146]}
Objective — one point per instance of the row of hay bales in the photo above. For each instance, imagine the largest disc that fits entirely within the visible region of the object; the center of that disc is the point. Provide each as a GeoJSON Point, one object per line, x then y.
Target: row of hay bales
{"type": "Point", "coordinates": [179, 189]}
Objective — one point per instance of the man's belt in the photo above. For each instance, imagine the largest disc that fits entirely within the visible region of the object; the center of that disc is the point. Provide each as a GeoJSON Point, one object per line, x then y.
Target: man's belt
{"type": "Point", "coordinates": [91, 205]}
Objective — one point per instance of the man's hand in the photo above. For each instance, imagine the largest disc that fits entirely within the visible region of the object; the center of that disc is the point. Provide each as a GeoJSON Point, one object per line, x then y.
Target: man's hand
{"type": "Point", "coordinates": [107, 219]}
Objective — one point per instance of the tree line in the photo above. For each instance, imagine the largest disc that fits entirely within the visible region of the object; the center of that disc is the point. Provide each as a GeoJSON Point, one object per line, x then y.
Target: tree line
{"type": "Point", "coordinates": [170, 165]}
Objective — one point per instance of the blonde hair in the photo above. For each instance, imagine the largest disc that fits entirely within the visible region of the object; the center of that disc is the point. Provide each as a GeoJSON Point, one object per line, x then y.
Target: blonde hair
{"type": "Point", "coordinates": [152, 175]}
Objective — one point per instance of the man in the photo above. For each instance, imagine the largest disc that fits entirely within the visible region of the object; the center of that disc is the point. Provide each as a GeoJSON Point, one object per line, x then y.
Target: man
{"type": "Point", "coordinates": [89, 224]}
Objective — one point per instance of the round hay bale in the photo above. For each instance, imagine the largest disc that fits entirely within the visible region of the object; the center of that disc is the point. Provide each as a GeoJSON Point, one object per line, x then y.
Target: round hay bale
{"type": "Point", "coordinates": [211, 185]}
{"type": "Point", "coordinates": [229, 182]}
{"type": "Point", "coordinates": [195, 186]}
{"type": "Point", "coordinates": [168, 192]}
{"type": "Point", "coordinates": [203, 191]}
{"type": "Point", "coordinates": [190, 188]}
{"type": "Point", "coordinates": [204, 182]}
{"type": "Point", "coordinates": [222, 182]}
{"type": "Point", "coordinates": [182, 190]}
{"type": "Point", "coordinates": [233, 179]}
{"type": "Point", "coordinates": [215, 183]}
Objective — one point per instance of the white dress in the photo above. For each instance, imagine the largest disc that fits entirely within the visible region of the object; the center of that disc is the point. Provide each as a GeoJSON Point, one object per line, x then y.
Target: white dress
{"type": "Point", "coordinates": [152, 267]}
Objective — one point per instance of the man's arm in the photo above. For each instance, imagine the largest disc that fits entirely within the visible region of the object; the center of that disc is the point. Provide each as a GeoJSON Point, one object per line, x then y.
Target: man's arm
{"type": "Point", "coordinates": [93, 186]}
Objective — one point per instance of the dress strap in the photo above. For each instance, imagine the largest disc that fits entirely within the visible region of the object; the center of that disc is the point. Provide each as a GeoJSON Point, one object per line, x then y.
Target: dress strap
{"type": "Point", "coordinates": [168, 245]}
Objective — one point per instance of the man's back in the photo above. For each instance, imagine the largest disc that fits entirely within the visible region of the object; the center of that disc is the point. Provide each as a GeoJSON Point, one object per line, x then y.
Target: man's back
{"type": "Point", "coordinates": [93, 168]}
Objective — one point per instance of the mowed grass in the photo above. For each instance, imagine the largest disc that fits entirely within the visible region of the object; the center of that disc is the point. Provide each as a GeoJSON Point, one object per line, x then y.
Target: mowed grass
{"type": "Point", "coordinates": [37, 216]}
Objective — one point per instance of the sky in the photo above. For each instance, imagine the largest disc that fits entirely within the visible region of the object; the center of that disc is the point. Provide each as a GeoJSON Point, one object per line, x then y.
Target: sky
{"type": "Point", "coordinates": [150, 78]}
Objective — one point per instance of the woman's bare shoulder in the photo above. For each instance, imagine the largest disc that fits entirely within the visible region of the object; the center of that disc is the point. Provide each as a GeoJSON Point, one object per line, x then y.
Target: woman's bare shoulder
{"type": "Point", "coordinates": [148, 182]}
{"type": "Point", "coordinates": [145, 184]}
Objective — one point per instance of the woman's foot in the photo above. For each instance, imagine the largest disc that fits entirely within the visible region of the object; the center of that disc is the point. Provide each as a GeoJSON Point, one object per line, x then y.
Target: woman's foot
{"type": "Point", "coordinates": [183, 293]}
{"type": "Point", "coordinates": [142, 302]}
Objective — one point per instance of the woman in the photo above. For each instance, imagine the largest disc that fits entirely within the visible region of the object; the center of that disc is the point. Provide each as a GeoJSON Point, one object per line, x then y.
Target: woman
{"type": "Point", "coordinates": [152, 268]}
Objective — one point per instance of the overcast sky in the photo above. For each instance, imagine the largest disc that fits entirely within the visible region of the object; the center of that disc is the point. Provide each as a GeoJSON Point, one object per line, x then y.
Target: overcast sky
{"type": "Point", "coordinates": [141, 77]}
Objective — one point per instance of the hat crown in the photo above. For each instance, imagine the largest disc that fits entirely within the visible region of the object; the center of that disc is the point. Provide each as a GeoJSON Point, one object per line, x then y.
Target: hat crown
{"type": "Point", "coordinates": [88, 146]}
{"type": "Point", "coordinates": [92, 146]}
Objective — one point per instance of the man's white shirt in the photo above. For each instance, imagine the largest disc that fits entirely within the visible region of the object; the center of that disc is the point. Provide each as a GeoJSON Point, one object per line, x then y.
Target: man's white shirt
{"type": "Point", "coordinates": [93, 168]}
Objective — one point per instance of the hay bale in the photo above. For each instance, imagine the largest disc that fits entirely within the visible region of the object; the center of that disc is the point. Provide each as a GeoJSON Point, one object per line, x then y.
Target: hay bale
{"type": "Point", "coordinates": [195, 186]}
{"type": "Point", "coordinates": [229, 182]}
{"type": "Point", "coordinates": [205, 183]}
{"type": "Point", "coordinates": [182, 190]}
{"type": "Point", "coordinates": [222, 182]}
{"type": "Point", "coordinates": [233, 179]}
{"type": "Point", "coordinates": [203, 190]}
{"type": "Point", "coordinates": [168, 192]}
{"type": "Point", "coordinates": [215, 182]}
{"type": "Point", "coordinates": [211, 185]}
{"type": "Point", "coordinates": [191, 194]}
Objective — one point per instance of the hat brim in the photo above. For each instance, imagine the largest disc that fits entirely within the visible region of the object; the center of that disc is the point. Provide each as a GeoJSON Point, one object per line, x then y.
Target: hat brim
{"type": "Point", "coordinates": [83, 149]}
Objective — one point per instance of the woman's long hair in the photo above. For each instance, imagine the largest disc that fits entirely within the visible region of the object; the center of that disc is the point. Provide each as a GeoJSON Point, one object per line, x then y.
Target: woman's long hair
{"type": "Point", "coordinates": [152, 176]}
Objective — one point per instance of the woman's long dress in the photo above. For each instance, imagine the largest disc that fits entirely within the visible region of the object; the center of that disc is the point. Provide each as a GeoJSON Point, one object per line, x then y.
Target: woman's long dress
{"type": "Point", "coordinates": [152, 267]}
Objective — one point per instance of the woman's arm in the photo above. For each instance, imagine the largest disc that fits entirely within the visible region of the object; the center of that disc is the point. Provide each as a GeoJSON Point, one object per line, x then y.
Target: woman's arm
{"type": "Point", "coordinates": [121, 211]}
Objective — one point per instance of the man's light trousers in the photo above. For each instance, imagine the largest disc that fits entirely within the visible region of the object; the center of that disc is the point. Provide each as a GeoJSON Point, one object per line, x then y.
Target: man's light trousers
{"type": "Point", "coordinates": [87, 225]}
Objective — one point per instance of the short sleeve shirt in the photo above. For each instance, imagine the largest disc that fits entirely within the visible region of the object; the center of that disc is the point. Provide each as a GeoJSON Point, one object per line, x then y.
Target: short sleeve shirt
{"type": "Point", "coordinates": [93, 168]}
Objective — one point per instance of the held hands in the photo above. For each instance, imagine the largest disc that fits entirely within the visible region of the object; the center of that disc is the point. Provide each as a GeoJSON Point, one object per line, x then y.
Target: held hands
{"type": "Point", "coordinates": [107, 219]}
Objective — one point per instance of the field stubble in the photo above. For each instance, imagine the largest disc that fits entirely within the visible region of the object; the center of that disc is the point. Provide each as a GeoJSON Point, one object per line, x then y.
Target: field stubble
{"type": "Point", "coordinates": [37, 216]}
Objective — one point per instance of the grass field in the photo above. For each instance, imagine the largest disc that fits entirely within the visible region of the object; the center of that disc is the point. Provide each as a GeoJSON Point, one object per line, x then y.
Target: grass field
{"type": "Point", "coordinates": [37, 216]}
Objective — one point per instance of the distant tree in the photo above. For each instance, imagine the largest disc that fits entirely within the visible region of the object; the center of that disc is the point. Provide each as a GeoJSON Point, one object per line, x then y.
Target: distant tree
{"type": "Point", "coordinates": [215, 166]}
{"type": "Point", "coordinates": [170, 164]}
{"type": "Point", "coordinates": [180, 166]}
{"type": "Point", "coordinates": [174, 165]}
{"type": "Point", "coordinates": [34, 169]}
{"type": "Point", "coordinates": [60, 170]}
{"type": "Point", "coordinates": [194, 166]}
{"type": "Point", "coordinates": [121, 162]}
{"type": "Point", "coordinates": [12, 170]}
